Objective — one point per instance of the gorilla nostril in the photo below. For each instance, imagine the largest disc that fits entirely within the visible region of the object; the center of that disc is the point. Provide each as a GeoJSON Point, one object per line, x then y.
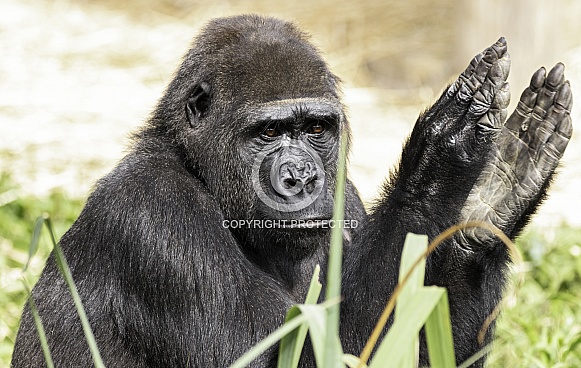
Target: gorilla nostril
{"type": "Point", "coordinates": [310, 186]}
{"type": "Point", "coordinates": [290, 183]}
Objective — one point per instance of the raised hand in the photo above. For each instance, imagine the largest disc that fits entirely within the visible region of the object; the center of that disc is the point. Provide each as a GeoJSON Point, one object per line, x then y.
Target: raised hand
{"type": "Point", "coordinates": [456, 133]}
{"type": "Point", "coordinates": [523, 158]}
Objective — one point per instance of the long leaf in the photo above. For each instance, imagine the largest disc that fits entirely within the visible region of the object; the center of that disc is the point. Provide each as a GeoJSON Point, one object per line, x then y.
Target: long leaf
{"type": "Point", "coordinates": [34, 240]}
{"type": "Point", "coordinates": [66, 272]}
{"type": "Point", "coordinates": [291, 346]}
{"type": "Point", "coordinates": [317, 321]}
{"type": "Point", "coordinates": [333, 350]}
{"type": "Point", "coordinates": [39, 327]}
{"type": "Point", "coordinates": [314, 288]}
{"type": "Point", "coordinates": [414, 247]}
{"type": "Point", "coordinates": [285, 329]}
{"type": "Point", "coordinates": [439, 336]}
{"type": "Point", "coordinates": [393, 348]}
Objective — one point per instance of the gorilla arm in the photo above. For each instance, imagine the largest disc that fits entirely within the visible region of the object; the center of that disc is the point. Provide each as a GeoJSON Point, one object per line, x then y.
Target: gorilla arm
{"type": "Point", "coordinates": [462, 164]}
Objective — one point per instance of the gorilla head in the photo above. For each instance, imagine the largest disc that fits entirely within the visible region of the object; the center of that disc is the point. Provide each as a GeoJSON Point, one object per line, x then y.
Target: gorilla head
{"type": "Point", "coordinates": [257, 114]}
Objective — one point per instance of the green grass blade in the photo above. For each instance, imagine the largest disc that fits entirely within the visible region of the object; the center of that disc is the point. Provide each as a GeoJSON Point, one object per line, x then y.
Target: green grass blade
{"type": "Point", "coordinates": [291, 346]}
{"type": "Point", "coordinates": [34, 240]}
{"type": "Point", "coordinates": [39, 328]}
{"type": "Point", "coordinates": [314, 288]}
{"type": "Point", "coordinates": [66, 272]}
{"type": "Point", "coordinates": [333, 350]}
{"type": "Point", "coordinates": [317, 320]}
{"type": "Point", "coordinates": [439, 336]}
{"type": "Point", "coordinates": [406, 328]}
{"type": "Point", "coordinates": [414, 247]}
{"type": "Point", "coordinates": [300, 318]}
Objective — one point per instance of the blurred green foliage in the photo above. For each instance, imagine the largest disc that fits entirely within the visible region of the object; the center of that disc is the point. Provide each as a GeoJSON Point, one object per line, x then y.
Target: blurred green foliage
{"type": "Point", "coordinates": [17, 216]}
{"type": "Point", "coordinates": [540, 325]}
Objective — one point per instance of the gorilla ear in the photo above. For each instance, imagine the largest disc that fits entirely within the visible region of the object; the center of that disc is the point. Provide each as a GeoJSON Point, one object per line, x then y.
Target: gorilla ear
{"type": "Point", "coordinates": [198, 103]}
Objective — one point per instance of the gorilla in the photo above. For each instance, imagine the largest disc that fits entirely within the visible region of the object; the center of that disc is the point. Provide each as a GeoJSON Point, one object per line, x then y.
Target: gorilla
{"type": "Point", "coordinates": [195, 246]}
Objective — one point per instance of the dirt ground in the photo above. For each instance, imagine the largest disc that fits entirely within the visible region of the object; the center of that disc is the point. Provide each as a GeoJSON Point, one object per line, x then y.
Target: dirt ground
{"type": "Point", "coordinates": [74, 83]}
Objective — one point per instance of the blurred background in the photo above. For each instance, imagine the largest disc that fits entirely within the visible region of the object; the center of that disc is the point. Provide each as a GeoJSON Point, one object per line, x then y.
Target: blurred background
{"type": "Point", "coordinates": [76, 77]}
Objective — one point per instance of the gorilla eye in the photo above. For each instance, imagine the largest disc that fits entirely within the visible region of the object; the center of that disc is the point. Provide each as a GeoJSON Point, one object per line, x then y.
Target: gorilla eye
{"type": "Point", "coordinates": [316, 128]}
{"type": "Point", "coordinates": [271, 132]}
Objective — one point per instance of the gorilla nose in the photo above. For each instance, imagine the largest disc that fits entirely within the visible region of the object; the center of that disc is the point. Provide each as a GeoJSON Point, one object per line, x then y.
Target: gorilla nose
{"type": "Point", "coordinates": [294, 177]}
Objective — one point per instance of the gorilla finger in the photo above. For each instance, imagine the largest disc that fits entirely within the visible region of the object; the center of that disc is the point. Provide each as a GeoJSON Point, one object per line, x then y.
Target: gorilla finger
{"type": "Point", "coordinates": [492, 64]}
{"type": "Point", "coordinates": [470, 69]}
{"type": "Point", "coordinates": [552, 151]}
{"type": "Point", "coordinates": [502, 97]}
{"type": "Point", "coordinates": [466, 92]}
{"type": "Point", "coordinates": [558, 142]}
{"type": "Point", "coordinates": [553, 116]}
{"type": "Point", "coordinates": [491, 57]}
{"type": "Point", "coordinates": [541, 136]}
{"type": "Point", "coordinates": [537, 135]}
{"type": "Point", "coordinates": [491, 122]}
{"type": "Point", "coordinates": [564, 97]}
{"type": "Point", "coordinates": [556, 77]}
{"type": "Point", "coordinates": [519, 121]}
{"type": "Point", "coordinates": [499, 71]}
{"type": "Point", "coordinates": [558, 124]}
{"type": "Point", "coordinates": [538, 79]}
{"type": "Point", "coordinates": [553, 83]}
{"type": "Point", "coordinates": [564, 128]}
{"type": "Point", "coordinates": [538, 118]}
{"type": "Point", "coordinates": [496, 85]}
{"type": "Point", "coordinates": [529, 96]}
{"type": "Point", "coordinates": [519, 118]}
{"type": "Point", "coordinates": [481, 103]}
{"type": "Point", "coordinates": [464, 78]}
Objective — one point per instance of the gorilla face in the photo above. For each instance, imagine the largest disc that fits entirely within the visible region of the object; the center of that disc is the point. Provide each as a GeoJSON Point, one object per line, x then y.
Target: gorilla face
{"type": "Point", "coordinates": [294, 146]}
